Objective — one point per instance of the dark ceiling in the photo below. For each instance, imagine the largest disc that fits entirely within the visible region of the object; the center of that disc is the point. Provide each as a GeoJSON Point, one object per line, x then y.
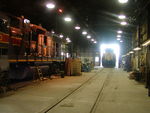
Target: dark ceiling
{"type": "Point", "coordinates": [99, 17]}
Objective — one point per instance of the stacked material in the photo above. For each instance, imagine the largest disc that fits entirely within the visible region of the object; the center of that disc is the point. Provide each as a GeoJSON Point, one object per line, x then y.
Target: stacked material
{"type": "Point", "coordinates": [73, 67]}
{"type": "Point", "coordinates": [76, 67]}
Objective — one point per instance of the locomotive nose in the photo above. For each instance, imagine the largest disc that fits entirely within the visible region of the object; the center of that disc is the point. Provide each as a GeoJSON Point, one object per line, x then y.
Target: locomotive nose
{"type": "Point", "coordinates": [110, 55]}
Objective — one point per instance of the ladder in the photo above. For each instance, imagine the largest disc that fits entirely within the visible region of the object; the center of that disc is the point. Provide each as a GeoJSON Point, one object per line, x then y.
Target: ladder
{"type": "Point", "coordinates": [39, 73]}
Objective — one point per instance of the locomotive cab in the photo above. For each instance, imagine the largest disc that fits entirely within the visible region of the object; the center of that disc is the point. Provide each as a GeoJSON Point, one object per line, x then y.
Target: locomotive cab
{"type": "Point", "coordinates": [4, 30]}
{"type": "Point", "coordinates": [109, 58]}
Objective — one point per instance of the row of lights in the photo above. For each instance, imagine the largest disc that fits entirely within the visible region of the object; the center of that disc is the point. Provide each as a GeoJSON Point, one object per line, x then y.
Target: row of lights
{"type": "Point", "coordinates": [138, 48]}
{"type": "Point", "coordinates": [123, 22]}
{"type": "Point", "coordinates": [89, 36]}
{"type": "Point", "coordinates": [123, 17]}
{"type": "Point", "coordinates": [68, 19]}
{"type": "Point", "coordinates": [61, 36]}
{"type": "Point", "coordinates": [119, 32]}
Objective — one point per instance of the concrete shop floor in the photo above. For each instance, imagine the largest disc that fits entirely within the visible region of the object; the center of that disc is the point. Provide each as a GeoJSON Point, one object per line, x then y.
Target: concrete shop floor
{"type": "Point", "coordinates": [118, 95]}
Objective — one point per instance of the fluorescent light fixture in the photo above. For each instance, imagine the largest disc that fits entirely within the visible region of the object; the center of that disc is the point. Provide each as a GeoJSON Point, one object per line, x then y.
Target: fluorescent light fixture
{"type": "Point", "coordinates": [50, 5]}
{"type": "Point", "coordinates": [137, 49]}
{"type": "Point", "coordinates": [131, 52]}
{"type": "Point", "coordinates": [118, 36]}
{"type": "Point", "coordinates": [123, 23]}
{"type": "Point", "coordinates": [121, 16]}
{"type": "Point", "coordinates": [77, 27]}
{"type": "Point", "coordinates": [146, 43]}
{"type": "Point", "coordinates": [88, 36]}
{"type": "Point", "coordinates": [116, 49]}
{"type": "Point", "coordinates": [67, 19]}
{"type": "Point", "coordinates": [119, 32]}
{"type": "Point", "coordinates": [121, 41]}
{"type": "Point", "coordinates": [123, 1]}
{"type": "Point", "coordinates": [84, 33]}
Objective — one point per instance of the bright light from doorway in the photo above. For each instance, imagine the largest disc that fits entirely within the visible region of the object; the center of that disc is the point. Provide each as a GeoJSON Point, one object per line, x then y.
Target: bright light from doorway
{"type": "Point", "coordinates": [116, 49]}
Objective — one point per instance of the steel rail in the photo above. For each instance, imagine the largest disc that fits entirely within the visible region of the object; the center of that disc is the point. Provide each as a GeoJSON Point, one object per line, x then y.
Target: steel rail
{"type": "Point", "coordinates": [99, 94]}
{"type": "Point", "coordinates": [69, 94]}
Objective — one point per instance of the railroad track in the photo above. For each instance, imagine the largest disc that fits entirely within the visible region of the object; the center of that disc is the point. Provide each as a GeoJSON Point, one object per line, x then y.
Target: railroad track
{"type": "Point", "coordinates": [49, 108]}
{"type": "Point", "coordinates": [93, 109]}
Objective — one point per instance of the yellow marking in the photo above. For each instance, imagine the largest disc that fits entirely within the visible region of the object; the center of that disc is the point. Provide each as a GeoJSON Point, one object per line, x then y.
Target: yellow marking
{"type": "Point", "coordinates": [3, 33]}
{"type": "Point", "coordinates": [16, 38]}
{"type": "Point", "coordinates": [31, 60]}
{"type": "Point", "coordinates": [4, 42]}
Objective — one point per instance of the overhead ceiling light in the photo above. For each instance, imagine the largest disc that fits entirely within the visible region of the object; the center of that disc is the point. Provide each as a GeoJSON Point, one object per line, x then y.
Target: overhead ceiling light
{"type": "Point", "coordinates": [121, 41]}
{"type": "Point", "coordinates": [67, 19]}
{"type": "Point", "coordinates": [118, 36]}
{"type": "Point", "coordinates": [123, 1]}
{"type": "Point", "coordinates": [137, 49]}
{"type": "Point", "coordinates": [95, 42]}
{"type": "Point", "coordinates": [52, 32]}
{"type": "Point", "coordinates": [68, 41]}
{"type": "Point", "coordinates": [88, 36]}
{"type": "Point", "coordinates": [50, 5]}
{"type": "Point", "coordinates": [146, 43]}
{"type": "Point", "coordinates": [26, 21]}
{"type": "Point", "coordinates": [61, 36]}
{"type": "Point", "coordinates": [128, 53]}
{"type": "Point", "coordinates": [67, 38]}
{"type": "Point", "coordinates": [92, 40]}
{"type": "Point", "coordinates": [131, 52]}
{"type": "Point", "coordinates": [123, 23]}
{"type": "Point", "coordinates": [84, 33]}
{"type": "Point", "coordinates": [77, 27]}
{"type": "Point", "coordinates": [121, 16]}
{"type": "Point", "coordinates": [119, 32]}
{"type": "Point", "coordinates": [62, 53]}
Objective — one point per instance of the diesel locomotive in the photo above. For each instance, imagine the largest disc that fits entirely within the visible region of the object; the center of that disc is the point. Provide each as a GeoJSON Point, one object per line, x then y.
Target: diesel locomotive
{"type": "Point", "coordinates": [109, 59]}
{"type": "Point", "coordinates": [24, 46]}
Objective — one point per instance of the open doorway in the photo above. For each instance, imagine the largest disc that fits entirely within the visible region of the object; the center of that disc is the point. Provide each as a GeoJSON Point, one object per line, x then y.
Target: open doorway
{"type": "Point", "coordinates": [116, 51]}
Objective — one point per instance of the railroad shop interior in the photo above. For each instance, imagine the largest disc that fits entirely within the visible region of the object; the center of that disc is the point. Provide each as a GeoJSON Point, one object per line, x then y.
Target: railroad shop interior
{"type": "Point", "coordinates": [68, 56]}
